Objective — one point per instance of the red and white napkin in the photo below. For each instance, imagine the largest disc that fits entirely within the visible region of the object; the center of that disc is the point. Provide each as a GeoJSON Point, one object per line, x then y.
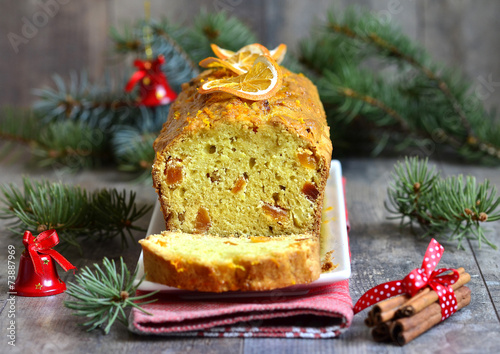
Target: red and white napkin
{"type": "Point", "coordinates": [323, 312]}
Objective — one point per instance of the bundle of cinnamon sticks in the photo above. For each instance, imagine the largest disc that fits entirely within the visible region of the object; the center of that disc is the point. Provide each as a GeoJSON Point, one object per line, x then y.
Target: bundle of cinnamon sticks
{"type": "Point", "coordinates": [403, 318]}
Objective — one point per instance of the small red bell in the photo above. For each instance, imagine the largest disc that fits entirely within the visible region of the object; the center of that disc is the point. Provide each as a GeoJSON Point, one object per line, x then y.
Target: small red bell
{"type": "Point", "coordinates": [155, 94]}
{"type": "Point", "coordinates": [154, 89]}
{"type": "Point", "coordinates": [37, 274]}
{"type": "Point", "coordinates": [28, 283]}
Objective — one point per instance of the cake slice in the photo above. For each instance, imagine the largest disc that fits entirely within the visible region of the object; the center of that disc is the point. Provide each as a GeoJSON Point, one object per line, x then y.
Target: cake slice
{"type": "Point", "coordinates": [217, 264]}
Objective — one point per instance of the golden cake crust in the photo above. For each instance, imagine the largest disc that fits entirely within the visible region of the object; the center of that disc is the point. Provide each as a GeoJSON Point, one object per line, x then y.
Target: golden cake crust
{"type": "Point", "coordinates": [295, 262]}
{"type": "Point", "coordinates": [296, 107]}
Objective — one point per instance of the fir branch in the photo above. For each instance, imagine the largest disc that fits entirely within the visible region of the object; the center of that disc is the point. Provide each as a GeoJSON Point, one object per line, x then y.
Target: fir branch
{"type": "Point", "coordinates": [18, 125]}
{"type": "Point", "coordinates": [99, 105]}
{"type": "Point", "coordinates": [134, 150]}
{"type": "Point", "coordinates": [329, 58]}
{"type": "Point", "coordinates": [219, 28]}
{"type": "Point", "coordinates": [103, 296]}
{"type": "Point", "coordinates": [365, 90]}
{"type": "Point", "coordinates": [72, 211]}
{"type": "Point", "coordinates": [113, 213]}
{"type": "Point", "coordinates": [82, 138]}
{"type": "Point", "coordinates": [184, 48]}
{"type": "Point", "coordinates": [162, 30]}
{"type": "Point", "coordinates": [167, 40]}
{"type": "Point", "coordinates": [69, 143]}
{"type": "Point", "coordinates": [439, 101]}
{"type": "Point", "coordinates": [455, 206]}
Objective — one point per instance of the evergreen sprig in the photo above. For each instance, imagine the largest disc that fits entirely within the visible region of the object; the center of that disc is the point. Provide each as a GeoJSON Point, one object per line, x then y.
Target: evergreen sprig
{"type": "Point", "coordinates": [73, 144]}
{"type": "Point", "coordinates": [455, 206]}
{"type": "Point", "coordinates": [219, 28]}
{"type": "Point", "coordinates": [372, 79]}
{"type": "Point", "coordinates": [103, 295]}
{"type": "Point", "coordinates": [97, 118]}
{"type": "Point", "coordinates": [368, 71]}
{"type": "Point", "coordinates": [74, 212]}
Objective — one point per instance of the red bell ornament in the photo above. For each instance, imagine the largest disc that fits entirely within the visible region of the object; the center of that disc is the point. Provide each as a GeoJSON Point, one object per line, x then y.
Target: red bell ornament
{"type": "Point", "coordinates": [154, 89]}
{"type": "Point", "coordinates": [37, 274]}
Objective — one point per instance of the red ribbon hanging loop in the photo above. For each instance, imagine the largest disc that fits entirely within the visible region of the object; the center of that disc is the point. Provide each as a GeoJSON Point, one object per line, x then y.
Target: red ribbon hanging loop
{"type": "Point", "coordinates": [416, 280]}
{"type": "Point", "coordinates": [42, 244]}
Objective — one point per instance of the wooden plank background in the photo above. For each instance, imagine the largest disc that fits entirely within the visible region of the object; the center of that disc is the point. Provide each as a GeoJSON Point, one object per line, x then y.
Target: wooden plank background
{"type": "Point", "coordinates": [72, 35]}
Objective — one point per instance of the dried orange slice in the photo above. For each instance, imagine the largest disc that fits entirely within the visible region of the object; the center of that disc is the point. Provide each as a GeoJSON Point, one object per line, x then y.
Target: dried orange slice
{"type": "Point", "coordinates": [277, 53]}
{"type": "Point", "coordinates": [262, 81]}
{"type": "Point", "coordinates": [255, 48]}
{"type": "Point", "coordinates": [221, 53]}
{"type": "Point", "coordinates": [239, 63]}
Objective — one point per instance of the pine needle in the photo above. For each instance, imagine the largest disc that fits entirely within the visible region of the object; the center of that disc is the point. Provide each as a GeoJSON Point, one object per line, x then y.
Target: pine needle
{"type": "Point", "coordinates": [453, 207]}
{"type": "Point", "coordinates": [369, 73]}
{"type": "Point", "coordinates": [75, 213]}
{"type": "Point", "coordinates": [102, 296]}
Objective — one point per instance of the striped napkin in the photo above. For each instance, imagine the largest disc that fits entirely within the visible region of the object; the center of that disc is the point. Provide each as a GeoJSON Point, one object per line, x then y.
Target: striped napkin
{"type": "Point", "coordinates": [323, 312]}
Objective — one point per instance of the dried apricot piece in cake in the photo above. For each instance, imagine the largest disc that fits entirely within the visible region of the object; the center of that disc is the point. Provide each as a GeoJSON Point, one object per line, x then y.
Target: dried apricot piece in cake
{"type": "Point", "coordinates": [310, 191]}
{"type": "Point", "coordinates": [173, 172]}
{"type": "Point", "coordinates": [202, 222]}
{"type": "Point", "coordinates": [279, 214]}
{"type": "Point", "coordinates": [307, 158]}
{"type": "Point", "coordinates": [262, 81]}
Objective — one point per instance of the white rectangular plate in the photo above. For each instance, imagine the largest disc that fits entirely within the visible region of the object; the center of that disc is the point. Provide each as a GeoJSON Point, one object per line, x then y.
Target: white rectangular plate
{"type": "Point", "coordinates": [333, 237]}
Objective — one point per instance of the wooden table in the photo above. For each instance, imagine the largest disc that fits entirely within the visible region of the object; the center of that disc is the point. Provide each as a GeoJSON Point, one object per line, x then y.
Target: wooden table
{"type": "Point", "coordinates": [380, 252]}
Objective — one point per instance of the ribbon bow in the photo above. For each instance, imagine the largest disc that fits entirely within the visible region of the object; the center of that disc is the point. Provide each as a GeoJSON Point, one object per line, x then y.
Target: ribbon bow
{"type": "Point", "coordinates": [416, 280]}
{"type": "Point", "coordinates": [42, 244]}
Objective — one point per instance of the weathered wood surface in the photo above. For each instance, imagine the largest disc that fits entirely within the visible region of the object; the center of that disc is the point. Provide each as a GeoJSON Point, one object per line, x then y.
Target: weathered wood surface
{"type": "Point", "coordinates": [380, 252]}
{"type": "Point", "coordinates": [462, 33]}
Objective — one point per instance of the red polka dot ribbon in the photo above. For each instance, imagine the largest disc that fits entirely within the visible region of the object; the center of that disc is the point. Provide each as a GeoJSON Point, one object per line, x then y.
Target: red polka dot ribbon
{"type": "Point", "coordinates": [418, 279]}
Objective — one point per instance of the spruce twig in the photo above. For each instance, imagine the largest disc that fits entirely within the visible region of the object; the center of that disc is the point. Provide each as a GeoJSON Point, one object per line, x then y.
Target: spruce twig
{"type": "Point", "coordinates": [454, 207]}
{"type": "Point", "coordinates": [97, 117]}
{"type": "Point", "coordinates": [103, 296]}
{"type": "Point", "coordinates": [70, 143]}
{"type": "Point", "coordinates": [438, 102]}
{"type": "Point", "coordinates": [415, 56]}
{"type": "Point", "coordinates": [71, 210]}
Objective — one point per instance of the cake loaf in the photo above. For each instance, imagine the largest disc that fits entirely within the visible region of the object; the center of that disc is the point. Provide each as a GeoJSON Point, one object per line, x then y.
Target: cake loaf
{"type": "Point", "coordinates": [215, 264]}
{"type": "Point", "coordinates": [228, 166]}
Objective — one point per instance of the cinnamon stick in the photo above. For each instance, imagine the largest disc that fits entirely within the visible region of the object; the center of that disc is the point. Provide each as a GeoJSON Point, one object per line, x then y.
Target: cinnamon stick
{"type": "Point", "coordinates": [405, 306]}
{"type": "Point", "coordinates": [404, 330]}
{"type": "Point", "coordinates": [405, 311]}
{"type": "Point", "coordinates": [389, 304]}
{"type": "Point", "coordinates": [369, 321]}
{"type": "Point", "coordinates": [418, 303]}
{"type": "Point", "coordinates": [385, 310]}
{"type": "Point", "coordinates": [382, 332]}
